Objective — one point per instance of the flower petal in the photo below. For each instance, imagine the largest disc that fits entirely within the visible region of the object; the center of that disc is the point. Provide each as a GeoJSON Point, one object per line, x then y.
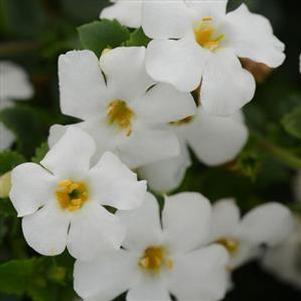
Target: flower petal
{"type": "Point", "coordinates": [32, 187]}
{"type": "Point", "coordinates": [166, 19]}
{"type": "Point", "coordinates": [7, 137]}
{"type": "Point", "coordinates": [83, 92]}
{"type": "Point", "coordinates": [251, 36]}
{"type": "Point", "coordinates": [46, 230]}
{"type": "Point", "coordinates": [226, 86]}
{"type": "Point", "coordinates": [210, 8]}
{"type": "Point", "coordinates": [283, 260]}
{"type": "Point", "coordinates": [125, 72]}
{"type": "Point", "coordinates": [94, 230]}
{"type": "Point", "coordinates": [142, 225]}
{"type": "Point", "coordinates": [186, 215]}
{"type": "Point", "coordinates": [180, 63]}
{"type": "Point", "coordinates": [106, 277]}
{"type": "Point", "coordinates": [70, 156]}
{"type": "Point", "coordinates": [149, 289]}
{"type": "Point", "coordinates": [14, 82]}
{"type": "Point", "coordinates": [147, 145]}
{"type": "Point", "coordinates": [126, 12]}
{"type": "Point", "coordinates": [216, 140]}
{"type": "Point", "coordinates": [166, 175]}
{"type": "Point", "coordinates": [246, 252]}
{"type": "Point", "coordinates": [225, 219]}
{"type": "Point", "coordinates": [163, 104]}
{"type": "Point", "coordinates": [267, 224]}
{"type": "Point", "coordinates": [200, 275]}
{"type": "Point", "coordinates": [113, 184]}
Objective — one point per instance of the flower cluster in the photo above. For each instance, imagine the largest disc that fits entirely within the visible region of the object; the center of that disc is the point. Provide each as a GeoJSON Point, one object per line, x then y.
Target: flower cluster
{"type": "Point", "coordinates": [142, 110]}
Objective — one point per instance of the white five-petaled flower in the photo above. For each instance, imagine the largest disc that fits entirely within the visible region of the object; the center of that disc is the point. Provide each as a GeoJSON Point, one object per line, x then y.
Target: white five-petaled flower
{"type": "Point", "coordinates": [214, 140]}
{"type": "Point", "coordinates": [14, 85]}
{"type": "Point", "coordinates": [122, 108]}
{"type": "Point", "coordinates": [61, 200]}
{"type": "Point", "coordinates": [156, 260]}
{"type": "Point", "coordinates": [195, 43]}
{"type": "Point", "coordinates": [268, 224]}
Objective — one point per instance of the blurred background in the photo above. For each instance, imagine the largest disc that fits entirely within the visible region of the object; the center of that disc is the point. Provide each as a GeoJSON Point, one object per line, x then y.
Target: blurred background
{"type": "Point", "coordinates": [33, 33]}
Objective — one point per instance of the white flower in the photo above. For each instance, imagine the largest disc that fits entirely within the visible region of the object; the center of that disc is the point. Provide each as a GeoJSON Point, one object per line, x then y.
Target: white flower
{"type": "Point", "coordinates": [284, 260]}
{"type": "Point", "coordinates": [61, 200]}
{"type": "Point", "coordinates": [14, 85]}
{"type": "Point", "coordinates": [158, 260]}
{"type": "Point", "coordinates": [127, 12]}
{"type": "Point", "coordinates": [214, 140]}
{"type": "Point", "coordinates": [267, 224]}
{"type": "Point", "coordinates": [125, 111]}
{"type": "Point", "coordinates": [196, 42]}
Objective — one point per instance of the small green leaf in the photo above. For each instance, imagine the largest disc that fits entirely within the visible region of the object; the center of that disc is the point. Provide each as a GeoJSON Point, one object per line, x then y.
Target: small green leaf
{"type": "Point", "coordinates": [40, 153]}
{"type": "Point", "coordinates": [9, 160]}
{"type": "Point", "coordinates": [138, 38]}
{"type": "Point", "coordinates": [292, 122]}
{"type": "Point", "coordinates": [103, 34]}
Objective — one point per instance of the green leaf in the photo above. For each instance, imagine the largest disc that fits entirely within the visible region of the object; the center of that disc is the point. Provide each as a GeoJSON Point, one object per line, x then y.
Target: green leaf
{"type": "Point", "coordinates": [292, 122]}
{"type": "Point", "coordinates": [9, 160]}
{"type": "Point", "coordinates": [30, 126]}
{"type": "Point", "coordinates": [43, 279]}
{"type": "Point", "coordinates": [16, 276]}
{"type": "Point", "coordinates": [137, 38]}
{"type": "Point", "coordinates": [99, 35]}
{"type": "Point", "coordinates": [40, 153]}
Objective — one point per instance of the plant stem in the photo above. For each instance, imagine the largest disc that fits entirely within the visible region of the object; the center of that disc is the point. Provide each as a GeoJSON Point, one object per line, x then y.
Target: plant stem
{"type": "Point", "coordinates": [279, 153]}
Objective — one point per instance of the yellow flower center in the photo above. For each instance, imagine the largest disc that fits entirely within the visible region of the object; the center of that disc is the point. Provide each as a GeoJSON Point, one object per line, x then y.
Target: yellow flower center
{"type": "Point", "coordinates": [120, 115]}
{"type": "Point", "coordinates": [206, 35]}
{"type": "Point", "coordinates": [71, 195]}
{"type": "Point", "coordinates": [232, 245]}
{"type": "Point", "coordinates": [154, 259]}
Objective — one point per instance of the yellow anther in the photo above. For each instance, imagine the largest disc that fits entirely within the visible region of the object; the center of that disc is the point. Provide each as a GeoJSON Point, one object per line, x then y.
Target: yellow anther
{"type": "Point", "coordinates": [154, 259]}
{"type": "Point", "coordinates": [206, 36]}
{"type": "Point", "coordinates": [120, 115]}
{"type": "Point", "coordinates": [232, 245]}
{"type": "Point", "coordinates": [71, 195]}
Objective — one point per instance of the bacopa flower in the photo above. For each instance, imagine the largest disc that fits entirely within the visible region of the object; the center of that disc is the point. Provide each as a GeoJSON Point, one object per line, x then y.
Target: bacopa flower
{"type": "Point", "coordinates": [214, 140]}
{"type": "Point", "coordinates": [14, 85]}
{"type": "Point", "coordinates": [127, 12]}
{"type": "Point", "coordinates": [62, 200]}
{"type": "Point", "coordinates": [267, 224]}
{"type": "Point", "coordinates": [122, 108]}
{"type": "Point", "coordinates": [284, 260]}
{"type": "Point", "coordinates": [195, 43]}
{"type": "Point", "coordinates": [156, 260]}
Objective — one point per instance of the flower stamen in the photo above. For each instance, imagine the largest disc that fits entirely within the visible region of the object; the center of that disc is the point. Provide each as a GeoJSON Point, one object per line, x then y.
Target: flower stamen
{"type": "Point", "coordinates": [121, 115]}
{"type": "Point", "coordinates": [154, 259]}
{"type": "Point", "coordinates": [71, 195]}
{"type": "Point", "coordinates": [232, 245]}
{"type": "Point", "coordinates": [206, 36]}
